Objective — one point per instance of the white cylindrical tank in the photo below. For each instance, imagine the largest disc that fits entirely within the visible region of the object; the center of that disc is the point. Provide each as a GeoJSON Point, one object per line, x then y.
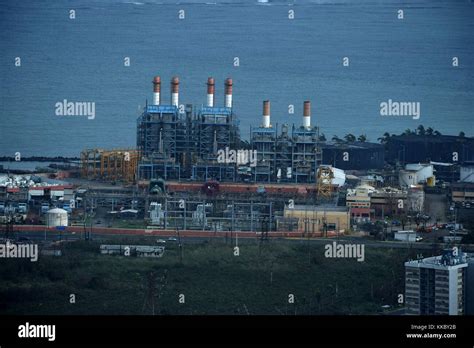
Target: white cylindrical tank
{"type": "Point", "coordinates": [56, 217]}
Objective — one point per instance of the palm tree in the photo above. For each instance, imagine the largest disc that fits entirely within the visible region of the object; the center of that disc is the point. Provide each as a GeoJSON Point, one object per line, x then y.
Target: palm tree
{"type": "Point", "coordinates": [322, 137]}
{"type": "Point", "coordinates": [436, 133]}
{"type": "Point", "coordinates": [362, 138]}
{"type": "Point", "coordinates": [408, 131]}
{"type": "Point", "coordinates": [421, 130]}
{"type": "Point", "coordinates": [336, 139]}
{"type": "Point", "coordinates": [384, 138]}
{"type": "Point", "coordinates": [429, 131]}
{"type": "Point", "coordinates": [350, 138]}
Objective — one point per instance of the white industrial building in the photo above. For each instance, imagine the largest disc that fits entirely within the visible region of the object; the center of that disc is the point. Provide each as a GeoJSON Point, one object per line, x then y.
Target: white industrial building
{"type": "Point", "coordinates": [415, 174]}
{"type": "Point", "coordinates": [467, 172]}
{"type": "Point", "coordinates": [339, 176]}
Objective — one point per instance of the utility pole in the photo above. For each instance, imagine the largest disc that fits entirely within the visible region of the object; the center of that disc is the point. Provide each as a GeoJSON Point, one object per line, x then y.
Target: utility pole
{"type": "Point", "coordinates": [180, 246]}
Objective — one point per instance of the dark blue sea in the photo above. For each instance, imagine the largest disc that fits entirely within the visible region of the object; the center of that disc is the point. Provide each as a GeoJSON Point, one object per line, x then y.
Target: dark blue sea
{"type": "Point", "coordinates": [284, 60]}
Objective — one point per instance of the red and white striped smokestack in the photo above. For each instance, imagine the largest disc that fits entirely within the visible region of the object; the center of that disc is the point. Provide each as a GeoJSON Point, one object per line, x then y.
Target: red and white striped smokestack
{"type": "Point", "coordinates": [210, 92]}
{"type": "Point", "coordinates": [156, 90]}
{"type": "Point", "coordinates": [307, 114]}
{"type": "Point", "coordinates": [228, 93]}
{"type": "Point", "coordinates": [266, 114]}
{"type": "Point", "coordinates": [175, 91]}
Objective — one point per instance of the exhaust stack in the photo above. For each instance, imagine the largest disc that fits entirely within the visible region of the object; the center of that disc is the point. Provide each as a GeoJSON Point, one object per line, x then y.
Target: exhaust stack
{"type": "Point", "coordinates": [307, 114]}
{"type": "Point", "coordinates": [266, 114]}
{"type": "Point", "coordinates": [175, 91]}
{"type": "Point", "coordinates": [156, 90]}
{"type": "Point", "coordinates": [210, 92]}
{"type": "Point", "coordinates": [228, 93]}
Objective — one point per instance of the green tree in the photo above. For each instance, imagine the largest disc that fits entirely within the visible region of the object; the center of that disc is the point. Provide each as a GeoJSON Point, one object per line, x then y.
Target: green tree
{"type": "Point", "coordinates": [384, 138]}
{"type": "Point", "coordinates": [350, 138]}
{"type": "Point", "coordinates": [362, 138]}
{"type": "Point", "coordinates": [429, 131]}
{"type": "Point", "coordinates": [421, 130]}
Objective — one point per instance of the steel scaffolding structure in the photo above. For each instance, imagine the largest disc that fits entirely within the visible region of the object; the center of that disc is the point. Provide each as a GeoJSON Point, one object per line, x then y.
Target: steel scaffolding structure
{"type": "Point", "coordinates": [217, 215]}
{"type": "Point", "coordinates": [283, 160]}
{"type": "Point", "coordinates": [216, 130]}
{"type": "Point", "coordinates": [306, 154]}
{"type": "Point", "coordinates": [110, 165]}
{"type": "Point", "coordinates": [263, 140]}
{"type": "Point", "coordinates": [174, 145]}
{"type": "Point", "coordinates": [162, 141]}
{"type": "Point", "coordinates": [221, 172]}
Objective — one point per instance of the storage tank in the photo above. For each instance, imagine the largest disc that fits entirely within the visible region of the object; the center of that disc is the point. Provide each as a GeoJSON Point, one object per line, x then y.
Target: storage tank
{"type": "Point", "coordinates": [56, 217]}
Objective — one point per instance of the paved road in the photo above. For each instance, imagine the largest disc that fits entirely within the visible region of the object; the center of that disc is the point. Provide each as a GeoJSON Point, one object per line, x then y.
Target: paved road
{"type": "Point", "coordinates": [243, 237]}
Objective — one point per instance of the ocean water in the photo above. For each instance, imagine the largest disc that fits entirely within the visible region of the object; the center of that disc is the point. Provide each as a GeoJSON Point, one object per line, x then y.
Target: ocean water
{"type": "Point", "coordinates": [284, 60]}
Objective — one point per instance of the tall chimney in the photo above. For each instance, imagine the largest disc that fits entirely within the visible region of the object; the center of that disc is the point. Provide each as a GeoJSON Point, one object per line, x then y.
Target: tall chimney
{"type": "Point", "coordinates": [266, 114]}
{"type": "Point", "coordinates": [307, 114]}
{"type": "Point", "coordinates": [175, 91]}
{"type": "Point", "coordinates": [156, 90]}
{"type": "Point", "coordinates": [228, 93]}
{"type": "Point", "coordinates": [210, 92]}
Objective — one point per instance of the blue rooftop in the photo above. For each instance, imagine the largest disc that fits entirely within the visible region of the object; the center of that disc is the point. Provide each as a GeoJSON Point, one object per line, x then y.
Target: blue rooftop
{"type": "Point", "coordinates": [164, 109]}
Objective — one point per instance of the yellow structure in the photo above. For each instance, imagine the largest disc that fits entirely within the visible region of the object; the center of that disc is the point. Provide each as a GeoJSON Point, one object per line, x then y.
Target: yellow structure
{"type": "Point", "coordinates": [315, 219]}
{"type": "Point", "coordinates": [431, 181]}
{"type": "Point", "coordinates": [324, 178]}
{"type": "Point", "coordinates": [110, 165]}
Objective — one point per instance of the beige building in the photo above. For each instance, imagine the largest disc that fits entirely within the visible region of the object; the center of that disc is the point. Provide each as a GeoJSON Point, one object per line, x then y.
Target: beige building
{"type": "Point", "coordinates": [316, 219]}
{"type": "Point", "coordinates": [360, 196]}
{"type": "Point", "coordinates": [462, 192]}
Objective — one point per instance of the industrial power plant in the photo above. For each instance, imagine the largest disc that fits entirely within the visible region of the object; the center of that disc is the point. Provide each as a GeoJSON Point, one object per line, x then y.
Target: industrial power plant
{"type": "Point", "coordinates": [191, 170]}
{"type": "Point", "coordinates": [181, 142]}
